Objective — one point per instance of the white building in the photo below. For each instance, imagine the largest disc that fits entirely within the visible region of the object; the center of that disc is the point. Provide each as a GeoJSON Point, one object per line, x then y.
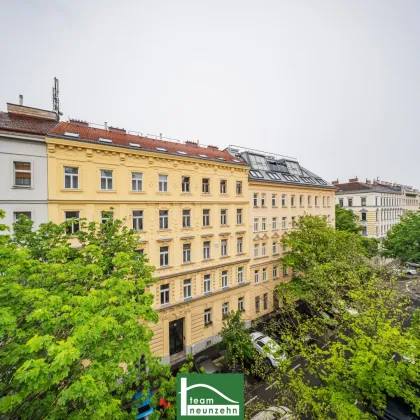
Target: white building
{"type": "Point", "coordinates": [23, 162]}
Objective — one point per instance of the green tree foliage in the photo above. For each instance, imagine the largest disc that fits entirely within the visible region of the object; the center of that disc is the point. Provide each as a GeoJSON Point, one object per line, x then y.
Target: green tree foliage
{"type": "Point", "coordinates": [73, 322]}
{"type": "Point", "coordinates": [403, 240]}
{"type": "Point", "coordinates": [346, 220]}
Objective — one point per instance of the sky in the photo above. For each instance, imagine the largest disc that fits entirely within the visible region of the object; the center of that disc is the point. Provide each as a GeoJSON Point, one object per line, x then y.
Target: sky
{"type": "Point", "coordinates": [333, 83]}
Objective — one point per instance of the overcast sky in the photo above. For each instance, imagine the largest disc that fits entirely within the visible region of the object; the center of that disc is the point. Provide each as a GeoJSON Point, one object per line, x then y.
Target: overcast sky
{"type": "Point", "coordinates": [333, 83]}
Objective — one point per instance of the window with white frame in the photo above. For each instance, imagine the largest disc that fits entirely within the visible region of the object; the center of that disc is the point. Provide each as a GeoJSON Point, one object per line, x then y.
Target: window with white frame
{"type": "Point", "coordinates": [240, 275]}
{"type": "Point", "coordinates": [187, 289]}
{"type": "Point", "coordinates": [363, 200]}
{"type": "Point", "coordinates": [275, 251]}
{"type": "Point", "coordinates": [106, 215]}
{"type": "Point", "coordinates": [301, 200]}
{"type": "Point", "coordinates": [263, 249]}
{"type": "Point", "coordinates": [284, 222]}
{"type": "Point", "coordinates": [262, 200]}
{"type": "Point", "coordinates": [73, 226]}
{"type": "Point", "coordinates": [274, 223]}
{"type": "Point", "coordinates": [264, 224]}
{"type": "Point", "coordinates": [283, 200]}
{"type": "Point", "coordinates": [255, 200]}
{"type": "Point", "coordinates": [106, 180]}
{"type": "Point", "coordinates": [284, 248]}
{"type": "Point", "coordinates": [71, 178]}
{"type": "Point", "coordinates": [292, 201]}
{"type": "Point", "coordinates": [256, 276]}
{"type": "Point", "coordinates": [323, 201]}
{"type": "Point", "coordinates": [223, 248]}
{"type": "Point", "coordinates": [207, 316]}
{"type": "Point", "coordinates": [186, 218]}
{"type": "Point", "coordinates": [284, 271]}
{"type": "Point", "coordinates": [163, 219]}
{"type": "Point", "coordinates": [224, 279]}
{"type": "Point", "coordinates": [241, 307]}
{"type": "Point", "coordinates": [163, 183]}
{"type": "Point", "coordinates": [22, 174]}
{"type": "Point", "coordinates": [238, 187]}
{"type": "Point", "coordinates": [206, 217]}
{"type": "Point", "coordinates": [206, 250]}
{"type": "Point", "coordinates": [239, 216]}
{"type": "Point", "coordinates": [205, 188]}
{"type": "Point", "coordinates": [264, 274]}
{"type": "Point", "coordinates": [275, 272]}
{"type": "Point", "coordinates": [223, 217]}
{"type": "Point", "coordinates": [309, 201]}
{"type": "Point", "coordinates": [274, 200]}
{"type": "Point", "coordinates": [137, 219]}
{"type": "Point", "coordinates": [136, 181]}
{"type": "Point", "coordinates": [239, 245]}
{"type": "Point", "coordinates": [164, 294]}
{"type": "Point", "coordinates": [293, 222]}
{"type": "Point", "coordinates": [341, 202]}
{"type": "Point", "coordinates": [225, 309]}
{"type": "Point", "coordinates": [207, 283]}
{"type": "Point", "coordinates": [256, 250]}
{"type": "Point", "coordinates": [265, 301]}
{"type": "Point", "coordinates": [316, 201]}
{"type": "Point", "coordinates": [223, 186]}
{"type": "Point", "coordinates": [164, 256]}
{"type": "Point", "coordinates": [186, 253]}
{"type": "Point", "coordinates": [257, 304]}
{"type": "Point", "coordinates": [185, 184]}
{"type": "Point", "coordinates": [17, 214]}
{"type": "Point", "coordinates": [256, 224]}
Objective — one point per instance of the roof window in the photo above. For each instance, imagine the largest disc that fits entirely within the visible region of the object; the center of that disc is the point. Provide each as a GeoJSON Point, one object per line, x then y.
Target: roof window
{"type": "Point", "coordinates": [134, 144]}
{"type": "Point", "coordinates": [70, 134]}
{"type": "Point", "coordinates": [161, 149]}
{"type": "Point", "coordinates": [103, 140]}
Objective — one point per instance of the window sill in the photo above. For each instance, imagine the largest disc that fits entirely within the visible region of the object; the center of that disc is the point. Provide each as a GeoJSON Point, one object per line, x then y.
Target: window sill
{"type": "Point", "coordinates": [207, 194]}
{"type": "Point", "coordinates": [207, 259]}
{"type": "Point", "coordinates": [240, 253]}
{"type": "Point", "coordinates": [207, 227]}
{"type": "Point", "coordinates": [107, 191]}
{"type": "Point", "coordinates": [224, 256]}
{"type": "Point", "coordinates": [208, 324]}
{"type": "Point", "coordinates": [186, 228]}
{"type": "Point", "coordinates": [165, 305]}
{"type": "Point", "coordinates": [276, 254]}
{"type": "Point", "coordinates": [165, 267]}
{"type": "Point", "coordinates": [276, 278]}
{"type": "Point", "coordinates": [166, 230]}
{"type": "Point", "coordinates": [71, 190]}
{"type": "Point", "coordinates": [186, 193]}
{"type": "Point", "coordinates": [137, 192]}
{"type": "Point", "coordinates": [262, 256]}
{"type": "Point", "coordinates": [187, 263]}
{"type": "Point", "coordinates": [163, 193]}
{"type": "Point", "coordinates": [240, 224]}
{"type": "Point", "coordinates": [225, 226]}
{"type": "Point", "coordinates": [22, 187]}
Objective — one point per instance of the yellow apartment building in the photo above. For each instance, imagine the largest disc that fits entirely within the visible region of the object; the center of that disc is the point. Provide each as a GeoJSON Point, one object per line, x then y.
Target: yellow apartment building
{"type": "Point", "coordinates": [280, 191]}
{"type": "Point", "coordinates": [189, 203]}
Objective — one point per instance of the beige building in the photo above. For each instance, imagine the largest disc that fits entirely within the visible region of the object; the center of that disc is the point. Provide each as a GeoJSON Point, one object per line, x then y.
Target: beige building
{"type": "Point", "coordinates": [280, 191]}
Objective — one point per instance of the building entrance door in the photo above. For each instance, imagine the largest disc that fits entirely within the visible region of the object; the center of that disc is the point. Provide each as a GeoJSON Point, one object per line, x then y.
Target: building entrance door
{"type": "Point", "coordinates": [176, 336]}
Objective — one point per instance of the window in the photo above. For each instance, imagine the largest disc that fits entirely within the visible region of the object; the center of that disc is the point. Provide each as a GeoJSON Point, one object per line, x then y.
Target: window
{"type": "Point", "coordinates": [225, 309]}
{"type": "Point", "coordinates": [238, 187]}
{"type": "Point", "coordinates": [73, 227]}
{"type": "Point", "coordinates": [240, 275]}
{"type": "Point", "coordinates": [263, 249]}
{"type": "Point", "coordinates": [106, 215]}
{"type": "Point", "coordinates": [275, 251]}
{"type": "Point", "coordinates": [185, 184]}
{"type": "Point", "coordinates": [256, 276]}
{"type": "Point", "coordinates": [137, 219]}
{"type": "Point", "coordinates": [163, 219]}
{"type": "Point", "coordinates": [341, 202]}
{"type": "Point", "coordinates": [293, 222]}
{"type": "Point", "coordinates": [292, 201]}
{"type": "Point", "coordinates": [186, 253]}
{"type": "Point", "coordinates": [284, 271]}
{"type": "Point", "coordinates": [263, 200]}
{"type": "Point", "coordinates": [223, 186]}
{"type": "Point", "coordinates": [186, 218]}
{"type": "Point", "coordinates": [328, 201]}
{"type": "Point", "coordinates": [350, 202]}
{"type": "Point", "coordinates": [187, 289]}
{"type": "Point", "coordinates": [284, 248]}
{"type": "Point", "coordinates": [224, 279]}
{"type": "Point", "coordinates": [284, 222]}
{"type": "Point", "coordinates": [239, 216]}
{"type": "Point", "coordinates": [206, 250]}
{"type": "Point", "coordinates": [223, 217]}
{"type": "Point", "coordinates": [274, 200]}
{"type": "Point", "coordinates": [323, 201]}
{"type": "Point", "coordinates": [301, 200]}
{"type": "Point", "coordinates": [71, 178]}
{"type": "Point", "coordinates": [207, 316]}
{"type": "Point", "coordinates": [264, 272]}
{"type": "Point", "coordinates": [255, 200]}
{"type": "Point", "coordinates": [136, 181]}
{"type": "Point", "coordinates": [376, 201]}
{"type": "Point", "coordinates": [263, 224]}
{"type": "Point", "coordinates": [223, 248]}
{"type": "Point", "coordinates": [283, 200]}
{"type": "Point", "coordinates": [274, 223]}
{"type": "Point", "coordinates": [206, 217]}
{"type": "Point", "coordinates": [241, 304]}
{"type": "Point", "coordinates": [364, 231]}
{"type": "Point", "coordinates": [364, 216]}
{"type": "Point", "coordinates": [239, 243]}
{"type": "Point", "coordinates": [363, 201]}
{"type": "Point", "coordinates": [17, 215]}
{"type": "Point", "coordinates": [164, 294]}
{"type": "Point", "coordinates": [275, 272]}
{"type": "Point", "coordinates": [265, 301]}
{"type": "Point", "coordinates": [207, 283]}
{"type": "Point", "coordinates": [316, 201]}
{"type": "Point", "coordinates": [106, 179]}
{"type": "Point", "coordinates": [163, 183]}
{"type": "Point", "coordinates": [256, 249]}
{"type": "Point", "coordinates": [309, 201]}
{"type": "Point", "coordinates": [164, 256]}
{"type": "Point", "coordinates": [22, 174]}
{"type": "Point", "coordinates": [256, 224]}
{"type": "Point", "coordinates": [257, 304]}
{"type": "Point", "coordinates": [206, 186]}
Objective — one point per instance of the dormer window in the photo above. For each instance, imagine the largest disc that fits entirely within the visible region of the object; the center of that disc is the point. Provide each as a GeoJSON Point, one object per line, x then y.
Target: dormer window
{"type": "Point", "coordinates": [102, 140]}
{"type": "Point", "coordinates": [134, 144]}
{"type": "Point", "coordinates": [70, 134]}
{"type": "Point", "coordinates": [161, 149]}
{"type": "Point", "coordinates": [203, 156]}
{"type": "Point", "coordinates": [182, 152]}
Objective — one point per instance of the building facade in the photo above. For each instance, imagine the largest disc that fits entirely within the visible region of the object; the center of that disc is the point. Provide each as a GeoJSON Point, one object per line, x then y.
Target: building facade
{"type": "Point", "coordinates": [23, 162]}
{"type": "Point", "coordinates": [190, 205]}
{"type": "Point", "coordinates": [378, 204]}
{"type": "Point", "coordinates": [280, 191]}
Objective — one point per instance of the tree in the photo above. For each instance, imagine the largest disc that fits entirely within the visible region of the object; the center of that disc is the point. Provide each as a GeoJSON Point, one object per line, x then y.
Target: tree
{"type": "Point", "coordinates": [346, 220]}
{"type": "Point", "coordinates": [403, 240]}
{"type": "Point", "coordinates": [74, 341]}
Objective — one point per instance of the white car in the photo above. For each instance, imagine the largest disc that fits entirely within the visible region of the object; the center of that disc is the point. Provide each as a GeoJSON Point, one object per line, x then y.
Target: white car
{"type": "Point", "coordinates": [274, 413]}
{"type": "Point", "coordinates": [268, 348]}
{"type": "Point", "coordinates": [348, 309]}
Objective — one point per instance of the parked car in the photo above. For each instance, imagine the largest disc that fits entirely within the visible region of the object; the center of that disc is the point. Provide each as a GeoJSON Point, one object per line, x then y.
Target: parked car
{"type": "Point", "coordinates": [346, 307]}
{"type": "Point", "coordinates": [396, 409]}
{"type": "Point", "coordinates": [206, 363]}
{"type": "Point", "coordinates": [272, 413]}
{"type": "Point", "coordinates": [144, 410]}
{"type": "Point", "coordinates": [268, 348]}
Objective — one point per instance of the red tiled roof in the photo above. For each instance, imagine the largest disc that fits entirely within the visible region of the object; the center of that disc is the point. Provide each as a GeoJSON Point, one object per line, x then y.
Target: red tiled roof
{"type": "Point", "coordinates": [25, 124]}
{"type": "Point", "coordinates": [146, 143]}
{"type": "Point", "coordinates": [352, 186]}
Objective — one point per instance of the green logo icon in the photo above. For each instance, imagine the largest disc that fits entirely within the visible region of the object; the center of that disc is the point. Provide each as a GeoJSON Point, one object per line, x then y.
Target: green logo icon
{"type": "Point", "coordinates": [218, 395]}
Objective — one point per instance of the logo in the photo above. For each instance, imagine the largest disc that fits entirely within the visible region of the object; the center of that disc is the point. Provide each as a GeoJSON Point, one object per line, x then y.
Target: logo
{"type": "Point", "coordinates": [218, 395]}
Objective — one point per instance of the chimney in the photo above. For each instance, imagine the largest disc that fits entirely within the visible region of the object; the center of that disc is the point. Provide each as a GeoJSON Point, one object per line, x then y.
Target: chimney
{"type": "Point", "coordinates": [106, 126]}
{"type": "Point", "coordinates": [20, 99]}
{"type": "Point", "coordinates": [212, 147]}
{"type": "Point", "coordinates": [336, 182]}
{"type": "Point", "coordinates": [354, 179]}
{"type": "Point", "coordinates": [117, 130]}
{"type": "Point", "coordinates": [80, 123]}
{"type": "Point", "coordinates": [368, 181]}
{"type": "Point", "coordinates": [191, 143]}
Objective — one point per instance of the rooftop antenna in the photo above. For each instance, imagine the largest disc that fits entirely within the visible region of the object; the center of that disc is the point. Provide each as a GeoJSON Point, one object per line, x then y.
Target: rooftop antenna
{"type": "Point", "coordinates": [55, 98]}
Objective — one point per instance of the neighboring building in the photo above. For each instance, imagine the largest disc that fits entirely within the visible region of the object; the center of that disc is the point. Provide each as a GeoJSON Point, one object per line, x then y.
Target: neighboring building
{"type": "Point", "coordinates": [378, 204]}
{"type": "Point", "coordinates": [189, 203]}
{"type": "Point", "coordinates": [23, 162]}
{"type": "Point", "coordinates": [280, 191]}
